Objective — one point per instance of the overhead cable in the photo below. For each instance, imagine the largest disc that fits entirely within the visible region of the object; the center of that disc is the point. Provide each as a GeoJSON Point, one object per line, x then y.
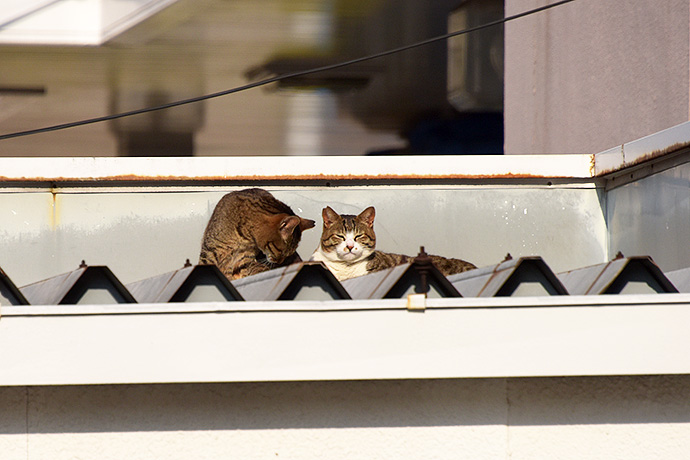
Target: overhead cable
{"type": "Point", "coordinates": [281, 77]}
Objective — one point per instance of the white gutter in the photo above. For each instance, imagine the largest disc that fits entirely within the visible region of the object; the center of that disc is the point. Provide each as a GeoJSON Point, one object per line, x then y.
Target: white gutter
{"type": "Point", "coordinates": [345, 340]}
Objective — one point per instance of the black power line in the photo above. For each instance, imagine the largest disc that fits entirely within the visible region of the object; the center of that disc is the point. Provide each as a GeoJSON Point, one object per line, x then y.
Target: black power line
{"type": "Point", "coordinates": [281, 77]}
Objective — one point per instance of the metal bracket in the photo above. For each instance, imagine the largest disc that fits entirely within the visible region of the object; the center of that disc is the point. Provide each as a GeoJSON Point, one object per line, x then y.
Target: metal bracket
{"type": "Point", "coordinates": [416, 302]}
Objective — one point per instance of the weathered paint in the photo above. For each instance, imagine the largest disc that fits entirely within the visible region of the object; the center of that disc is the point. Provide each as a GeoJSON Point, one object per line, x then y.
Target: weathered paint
{"type": "Point", "coordinates": [54, 218]}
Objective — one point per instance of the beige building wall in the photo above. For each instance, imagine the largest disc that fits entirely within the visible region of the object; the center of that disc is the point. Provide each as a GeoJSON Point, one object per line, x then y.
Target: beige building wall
{"type": "Point", "coordinates": [590, 75]}
{"type": "Point", "coordinates": [567, 418]}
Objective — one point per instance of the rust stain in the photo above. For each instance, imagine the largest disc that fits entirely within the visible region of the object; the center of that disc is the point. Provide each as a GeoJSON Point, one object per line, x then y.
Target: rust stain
{"type": "Point", "coordinates": [659, 153]}
{"type": "Point", "coordinates": [494, 273]}
{"type": "Point", "coordinates": [591, 286]}
{"type": "Point", "coordinates": [54, 211]}
{"type": "Point", "coordinates": [306, 177]}
{"type": "Point", "coordinates": [654, 154]}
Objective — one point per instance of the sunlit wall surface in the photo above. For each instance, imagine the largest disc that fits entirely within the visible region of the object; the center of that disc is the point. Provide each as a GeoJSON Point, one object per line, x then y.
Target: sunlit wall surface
{"type": "Point", "coordinates": [652, 216]}
{"type": "Point", "coordinates": [585, 77]}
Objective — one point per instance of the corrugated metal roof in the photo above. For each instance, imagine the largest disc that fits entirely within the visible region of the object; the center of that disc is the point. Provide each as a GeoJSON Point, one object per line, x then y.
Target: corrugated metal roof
{"type": "Point", "coordinates": [87, 284]}
{"type": "Point", "coordinates": [192, 283]}
{"type": "Point", "coordinates": [301, 281]}
{"type": "Point", "coordinates": [401, 281]}
{"type": "Point", "coordinates": [623, 275]}
{"type": "Point", "coordinates": [525, 276]}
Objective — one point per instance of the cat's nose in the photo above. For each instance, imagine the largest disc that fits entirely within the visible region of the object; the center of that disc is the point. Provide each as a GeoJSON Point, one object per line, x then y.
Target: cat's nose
{"type": "Point", "coordinates": [350, 246]}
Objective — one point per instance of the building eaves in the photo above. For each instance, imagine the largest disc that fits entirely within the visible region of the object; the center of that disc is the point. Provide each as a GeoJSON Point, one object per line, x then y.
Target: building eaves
{"type": "Point", "coordinates": [83, 23]}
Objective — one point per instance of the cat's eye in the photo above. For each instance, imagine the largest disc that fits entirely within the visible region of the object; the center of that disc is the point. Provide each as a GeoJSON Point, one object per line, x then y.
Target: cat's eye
{"type": "Point", "coordinates": [361, 238]}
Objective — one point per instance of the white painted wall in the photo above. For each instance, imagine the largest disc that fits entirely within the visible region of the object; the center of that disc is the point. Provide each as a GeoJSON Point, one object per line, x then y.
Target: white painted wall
{"type": "Point", "coordinates": [567, 418]}
{"type": "Point", "coordinates": [589, 75]}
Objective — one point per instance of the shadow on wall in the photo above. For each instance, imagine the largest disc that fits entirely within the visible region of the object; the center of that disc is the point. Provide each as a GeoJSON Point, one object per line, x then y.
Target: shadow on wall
{"type": "Point", "coordinates": [295, 405]}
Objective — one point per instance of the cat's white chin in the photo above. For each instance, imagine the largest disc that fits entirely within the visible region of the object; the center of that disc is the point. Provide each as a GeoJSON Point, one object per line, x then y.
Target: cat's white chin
{"type": "Point", "coordinates": [353, 257]}
{"type": "Point", "coordinates": [338, 257]}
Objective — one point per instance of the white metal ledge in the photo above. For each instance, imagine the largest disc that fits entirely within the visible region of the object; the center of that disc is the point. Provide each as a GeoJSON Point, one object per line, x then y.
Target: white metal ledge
{"type": "Point", "coordinates": [345, 340]}
{"type": "Point", "coordinates": [124, 170]}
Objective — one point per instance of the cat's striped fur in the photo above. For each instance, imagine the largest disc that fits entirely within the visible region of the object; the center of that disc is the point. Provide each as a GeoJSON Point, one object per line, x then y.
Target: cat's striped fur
{"type": "Point", "coordinates": [249, 232]}
{"type": "Point", "coordinates": [348, 247]}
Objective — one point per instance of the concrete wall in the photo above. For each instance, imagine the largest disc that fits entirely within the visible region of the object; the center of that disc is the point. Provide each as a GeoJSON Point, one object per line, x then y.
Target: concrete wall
{"type": "Point", "coordinates": [578, 418]}
{"type": "Point", "coordinates": [589, 75]}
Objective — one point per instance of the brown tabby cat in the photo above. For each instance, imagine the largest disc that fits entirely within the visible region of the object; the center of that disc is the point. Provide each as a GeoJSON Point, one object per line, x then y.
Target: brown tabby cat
{"type": "Point", "coordinates": [348, 247]}
{"type": "Point", "coordinates": [250, 232]}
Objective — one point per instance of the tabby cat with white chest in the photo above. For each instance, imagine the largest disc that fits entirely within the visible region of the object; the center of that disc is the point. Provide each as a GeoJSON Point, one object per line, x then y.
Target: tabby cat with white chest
{"type": "Point", "coordinates": [348, 247]}
{"type": "Point", "coordinates": [250, 232]}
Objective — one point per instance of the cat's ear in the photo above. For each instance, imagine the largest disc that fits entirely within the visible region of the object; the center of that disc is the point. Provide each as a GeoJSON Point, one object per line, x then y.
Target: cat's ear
{"type": "Point", "coordinates": [367, 216]}
{"type": "Point", "coordinates": [287, 226]}
{"type": "Point", "coordinates": [306, 224]}
{"type": "Point", "coordinates": [330, 217]}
